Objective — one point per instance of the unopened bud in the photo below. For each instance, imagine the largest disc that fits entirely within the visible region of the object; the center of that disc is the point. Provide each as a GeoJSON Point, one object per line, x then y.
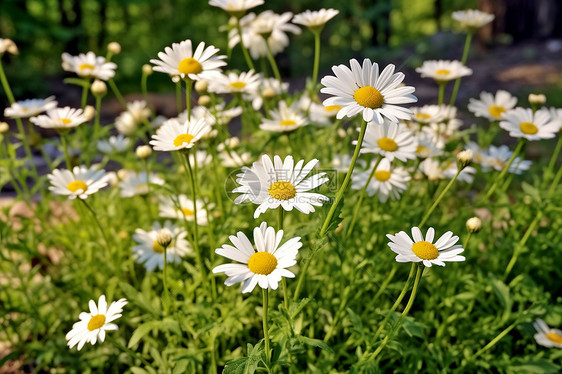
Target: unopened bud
{"type": "Point", "coordinates": [8, 45]}
{"type": "Point", "coordinates": [4, 127]}
{"type": "Point", "coordinates": [537, 99]}
{"type": "Point", "coordinates": [473, 224]}
{"type": "Point", "coordinates": [99, 88]}
{"type": "Point", "coordinates": [89, 112]}
{"type": "Point", "coordinates": [147, 69]}
{"type": "Point", "coordinates": [114, 48]}
{"type": "Point", "coordinates": [268, 93]}
{"type": "Point", "coordinates": [122, 173]}
{"type": "Point", "coordinates": [123, 235]}
{"type": "Point", "coordinates": [176, 78]}
{"type": "Point", "coordinates": [464, 158]}
{"type": "Point", "coordinates": [143, 151]}
{"type": "Point", "coordinates": [164, 238]}
{"type": "Point", "coordinates": [204, 100]}
{"type": "Point", "coordinates": [201, 86]}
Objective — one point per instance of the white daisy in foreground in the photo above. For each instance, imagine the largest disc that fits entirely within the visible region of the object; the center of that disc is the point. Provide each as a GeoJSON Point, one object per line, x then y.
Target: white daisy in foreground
{"type": "Point", "coordinates": [546, 336]}
{"type": "Point", "coordinates": [115, 144]}
{"type": "Point", "coordinates": [60, 118]}
{"type": "Point", "coordinates": [181, 60]}
{"type": "Point", "coordinates": [173, 136]}
{"type": "Point", "coordinates": [430, 113]}
{"type": "Point", "coordinates": [263, 265]}
{"type": "Point", "coordinates": [92, 326]}
{"type": "Point", "coordinates": [443, 70]}
{"type": "Point", "coordinates": [498, 157]}
{"type": "Point", "coordinates": [138, 183]}
{"type": "Point", "coordinates": [151, 253]}
{"type": "Point", "coordinates": [80, 182]}
{"type": "Point", "coordinates": [315, 20]}
{"type": "Point", "coordinates": [362, 90]}
{"type": "Point", "coordinates": [286, 118]}
{"type": "Point", "coordinates": [181, 207]}
{"type": "Point", "coordinates": [444, 250]}
{"type": "Point", "coordinates": [280, 183]}
{"type": "Point", "coordinates": [390, 140]}
{"type": "Point", "coordinates": [472, 18]}
{"type": "Point", "coordinates": [29, 108]}
{"type": "Point", "coordinates": [236, 7]}
{"type": "Point", "coordinates": [89, 66]}
{"type": "Point", "coordinates": [523, 123]}
{"type": "Point", "coordinates": [491, 106]}
{"type": "Point", "coordinates": [387, 181]}
{"type": "Point", "coordinates": [245, 82]}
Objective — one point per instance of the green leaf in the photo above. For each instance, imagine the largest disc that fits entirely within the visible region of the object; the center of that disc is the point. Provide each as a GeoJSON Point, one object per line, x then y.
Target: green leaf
{"type": "Point", "coordinates": [538, 366]}
{"type": "Point", "coordinates": [245, 365]}
{"type": "Point", "coordinates": [502, 292]}
{"type": "Point", "coordinates": [142, 330]}
{"type": "Point", "coordinates": [314, 343]}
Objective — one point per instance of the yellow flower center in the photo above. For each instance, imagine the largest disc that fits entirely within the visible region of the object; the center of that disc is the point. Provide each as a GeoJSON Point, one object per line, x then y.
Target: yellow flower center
{"type": "Point", "coordinates": [96, 322]}
{"type": "Point", "coordinates": [86, 66]}
{"type": "Point", "coordinates": [422, 150]}
{"type": "Point", "coordinates": [528, 128]}
{"type": "Point", "coordinates": [77, 185]}
{"type": "Point", "coordinates": [422, 116]}
{"type": "Point", "coordinates": [369, 97]}
{"type": "Point", "coordinates": [496, 111]}
{"type": "Point", "coordinates": [237, 85]}
{"type": "Point", "coordinates": [190, 66]}
{"type": "Point", "coordinates": [330, 108]}
{"type": "Point", "coordinates": [262, 263]}
{"type": "Point", "coordinates": [287, 122]}
{"type": "Point", "coordinates": [183, 138]}
{"type": "Point", "coordinates": [141, 186]}
{"type": "Point", "coordinates": [65, 121]}
{"type": "Point", "coordinates": [387, 144]}
{"type": "Point", "coordinates": [554, 337]}
{"type": "Point", "coordinates": [282, 190]}
{"type": "Point", "coordinates": [382, 175]}
{"type": "Point", "coordinates": [156, 247]}
{"type": "Point", "coordinates": [425, 250]}
{"type": "Point", "coordinates": [443, 72]}
{"type": "Point", "coordinates": [187, 212]}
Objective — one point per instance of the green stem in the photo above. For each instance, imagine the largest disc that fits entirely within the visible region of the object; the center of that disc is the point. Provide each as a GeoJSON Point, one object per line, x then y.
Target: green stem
{"type": "Point", "coordinates": [361, 197]}
{"type": "Point", "coordinates": [316, 57]}
{"type": "Point", "coordinates": [555, 182]}
{"type": "Point", "coordinates": [404, 313]}
{"type": "Point", "coordinates": [466, 239]}
{"type": "Point", "coordinates": [84, 100]}
{"type": "Point", "coordinates": [495, 340]}
{"type": "Point", "coordinates": [441, 92]}
{"type": "Point", "coordinates": [505, 169]}
{"type": "Point", "coordinates": [146, 197]}
{"type": "Point", "coordinates": [97, 125]}
{"type": "Point", "coordinates": [144, 90]}
{"type": "Point", "coordinates": [178, 96]}
{"type": "Point", "coordinates": [65, 150]}
{"type": "Point", "coordinates": [97, 223]}
{"type": "Point", "coordinates": [521, 244]}
{"type": "Point", "coordinates": [165, 293]}
{"type": "Point", "coordinates": [188, 88]}
{"type": "Point", "coordinates": [272, 62]}
{"type": "Point", "coordinates": [283, 281]}
{"type": "Point", "coordinates": [244, 49]}
{"type": "Point", "coordinates": [265, 293]}
{"type": "Point", "coordinates": [464, 58]}
{"type": "Point", "coordinates": [439, 198]}
{"type": "Point", "coordinates": [117, 93]}
{"type": "Point", "coordinates": [550, 169]}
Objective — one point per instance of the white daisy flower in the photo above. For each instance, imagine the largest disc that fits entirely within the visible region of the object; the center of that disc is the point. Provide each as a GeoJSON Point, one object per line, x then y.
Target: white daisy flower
{"type": "Point", "coordinates": [315, 19]}
{"type": "Point", "coordinates": [362, 90]}
{"type": "Point", "coordinates": [472, 18]}
{"type": "Point", "coordinates": [443, 70]}
{"type": "Point", "coordinates": [184, 209]}
{"type": "Point", "coordinates": [492, 107]}
{"type": "Point", "coordinates": [285, 119]}
{"type": "Point", "coordinates": [236, 7]}
{"type": "Point", "coordinates": [126, 124]}
{"type": "Point", "coordinates": [555, 115]}
{"type": "Point", "coordinates": [60, 118]}
{"type": "Point", "coordinates": [218, 114]}
{"type": "Point", "coordinates": [92, 326]}
{"type": "Point", "coordinates": [199, 158]}
{"type": "Point", "coordinates": [387, 182]}
{"type": "Point", "coordinates": [232, 159]}
{"type": "Point", "coordinates": [181, 60]}
{"type": "Point", "coordinates": [29, 108]}
{"type": "Point", "coordinates": [89, 66]}
{"type": "Point", "coordinates": [263, 265]}
{"type": "Point", "coordinates": [444, 250]}
{"type": "Point", "coordinates": [137, 183]}
{"type": "Point", "coordinates": [80, 182]}
{"type": "Point", "coordinates": [173, 136]}
{"type": "Point", "coordinates": [390, 140]}
{"type": "Point", "coordinates": [151, 253]}
{"type": "Point", "coordinates": [245, 82]}
{"type": "Point", "coordinates": [546, 336]}
{"type": "Point", "coordinates": [318, 113]}
{"type": "Point", "coordinates": [280, 183]}
{"type": "Point", "coordinates": [444, 131]}
{"type": "Point", "coordinates": [139, 110]}
{"type": "Point", "coordinates": [115, 144]}
{"type": "Point", "coordinates": [466, 175]}
{"type": "Point", "coordinates": [428, 145]}
{"type": "Point", "coordinates": [430, 113]}
{"type": "Point", "coordinates": [432, 169]}
{"type": "Point", "coordinates": [498, 157]}
{"type": "Point", "coordinates": [523, 123]}
{"type": "Point", "coordinates": [269, 88]}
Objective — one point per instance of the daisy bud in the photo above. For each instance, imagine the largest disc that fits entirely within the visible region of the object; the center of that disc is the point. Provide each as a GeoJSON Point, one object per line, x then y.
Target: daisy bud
{"type": "Point", "coordinates": [201, 86]}
{"type": "Point", "coordinates": [114, 48]}
{"type": "Point", "coordinates": [164, 237]}
{"type": "Point", "coordinates": [204, 100]}
{"type": "Point", "coordinates": [123, 235]}
{"type": "Point", "coordinates": [143, 151]}
{"type": "Point", "coordinates": [123, 173]}
{"type": "Point", "coordinates": [99, 88]}
{"type": "Point", "coordinates": [268, 93]}
{"type": "Point", "coordinates": [464, 158]}
{"type": "Point", "coordinates": [473, 224]}
{"type": "Point", "coordinates": [537, 99]}
{"type": "Point", "coordinates": [4, 127]}
{"type": "Point", "coordinates": [147, 69]}
{"type": "Point", "coordinates": [176, 78]}
{"type": "Point", "coordinates": [8, 45]}
{"type": "Point", "coordinates": [89, 112]}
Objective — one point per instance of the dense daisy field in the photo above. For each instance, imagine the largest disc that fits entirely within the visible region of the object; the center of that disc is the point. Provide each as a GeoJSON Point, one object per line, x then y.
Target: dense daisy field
{"type": "Point", "coordinates": [336, 228]}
